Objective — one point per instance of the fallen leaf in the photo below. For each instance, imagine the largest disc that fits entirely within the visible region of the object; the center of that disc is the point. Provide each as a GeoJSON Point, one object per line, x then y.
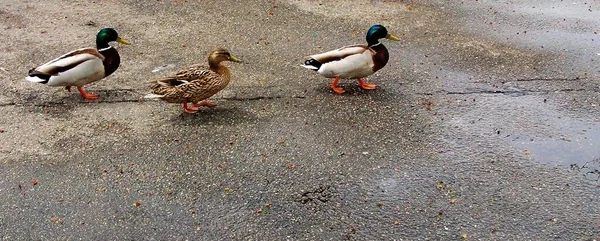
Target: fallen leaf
{"type": "Point", "coordinates": [429, 104]}
{"type": "Point", "coordinates": [91, 23]}
{"type": "Point", "coordinates": [137, 203]}
{"type": "Point", "coordinates": [291, 166]}
{"type": "Point", "coordinates": [464, 235]}
{"type": "Point", "coordinates": [4, 70]}
{"type": "Point", "coordinates": [440, 185]}
{"type": "Point", "coordinates": [267, 205]}
{"type": "Point", "coordinates": [452, 201]}
{"type": "Point", "coordinates": [56, 220]}
{"type": "Point", "coordinates": [258, 211]}
{"type": "Point", "coordinates": [396, 222]}
{"type": "Point", "coordinates": [34, 182]}
{"type": "Point", "coordinates": [527, 153]}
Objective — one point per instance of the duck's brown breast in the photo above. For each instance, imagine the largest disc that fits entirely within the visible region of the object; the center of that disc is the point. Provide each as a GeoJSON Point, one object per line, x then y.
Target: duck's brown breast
{"type": "Point", "coordinates": [380, 58]}
{"type": "Point", "coordinates": [112, 60]}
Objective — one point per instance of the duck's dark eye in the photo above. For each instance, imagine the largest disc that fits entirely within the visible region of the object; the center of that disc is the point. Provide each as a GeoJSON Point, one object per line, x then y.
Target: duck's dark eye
{"type": "Point", "coordinates": [226, 54]}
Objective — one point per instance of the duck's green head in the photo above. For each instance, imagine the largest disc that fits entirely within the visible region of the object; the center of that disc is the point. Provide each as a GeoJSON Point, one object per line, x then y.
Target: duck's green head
{"type": "Point", "coordinates": [107, 35]}
{"type": "Point", "coordinates": [377, 32]}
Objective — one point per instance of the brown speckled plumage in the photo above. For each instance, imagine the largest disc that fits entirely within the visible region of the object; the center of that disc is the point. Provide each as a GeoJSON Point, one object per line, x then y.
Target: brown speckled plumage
{"type": "Point", "coordinates": [196, 82]}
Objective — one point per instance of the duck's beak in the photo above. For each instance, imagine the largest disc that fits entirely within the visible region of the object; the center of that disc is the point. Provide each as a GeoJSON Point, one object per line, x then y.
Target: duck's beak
{"type": "Point", "coordinates": [234, 59]}
{"type": "Point", "coordinates": [123, 41]}
{"type": "Point", "coordinates": [392, 37]}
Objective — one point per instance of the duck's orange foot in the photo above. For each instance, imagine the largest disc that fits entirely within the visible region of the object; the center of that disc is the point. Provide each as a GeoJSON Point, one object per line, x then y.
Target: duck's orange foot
{"type": "Point", "coordinates": [87, 96]}
{"type": "Point", "coordinates": [333, 86]}
{"type": "Point", "coordinates": [365, 85]}
{"type": "Point", "coordinates": [205, 103]}
{"type": "Point", "coordinates": [337, 90]}
{"type": "Point", "coordinates": [189, 109]}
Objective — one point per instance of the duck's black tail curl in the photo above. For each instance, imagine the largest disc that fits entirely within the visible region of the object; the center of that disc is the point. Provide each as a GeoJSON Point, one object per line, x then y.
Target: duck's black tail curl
{"type": "Point", "coordinates": [312, 64]}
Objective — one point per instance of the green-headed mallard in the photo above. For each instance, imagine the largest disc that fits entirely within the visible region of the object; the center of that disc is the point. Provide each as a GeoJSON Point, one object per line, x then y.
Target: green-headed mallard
{"type": "Point", "coordinates": [353, 62]}
{"type": "Point", "coordinates": [81, 66]}
{"type": "Point", "coordinates": [195, 83]}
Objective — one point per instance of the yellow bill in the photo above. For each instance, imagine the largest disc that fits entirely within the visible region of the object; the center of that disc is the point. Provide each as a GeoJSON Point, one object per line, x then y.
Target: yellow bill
{"type": "Point", "coordinates": [123, 41]}
{"type": "Point", "coordinates": [392, 37]}
{"type": "Point", "coordinates": [234, 59]}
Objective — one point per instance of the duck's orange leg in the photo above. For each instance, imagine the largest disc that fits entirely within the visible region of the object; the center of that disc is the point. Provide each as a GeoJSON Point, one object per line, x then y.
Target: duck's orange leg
{"type": "Point", "coordinates": [189, 109]}
{"type": "Point", "coordinates": [365, 85]}
{"type": "Point", "coordinates": [85, 95]}
{"type": "Point", "coordinates": [333, 86]}
{"type": "Point", "coordinates": [205, 103]}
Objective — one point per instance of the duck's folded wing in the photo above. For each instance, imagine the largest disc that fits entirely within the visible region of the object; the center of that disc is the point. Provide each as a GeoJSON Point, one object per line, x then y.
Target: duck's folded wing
{"type": "Point", "coordinates": [184, 77]}
{"type": "Point", "coordinates": [340, 53]}
{"type": "Point", "coordinates": [194, 73]}
{"type": "Point", "coordinates": [67, 61]}
{"type": "Point", "coordinates": [192, 69]}
{"type": "Point", "coordinates": [169, 82]}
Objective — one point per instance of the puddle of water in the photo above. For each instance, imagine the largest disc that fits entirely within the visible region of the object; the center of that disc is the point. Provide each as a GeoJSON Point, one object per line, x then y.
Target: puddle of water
{"type": "Point", "coordinates": [578, 143]}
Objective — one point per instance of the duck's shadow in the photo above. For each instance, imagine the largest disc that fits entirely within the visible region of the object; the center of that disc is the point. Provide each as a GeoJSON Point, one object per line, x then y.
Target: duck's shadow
{"type": "Point", "coordinates": [221, 115]}
{"type": "Point", "coordinates": [62, 104]}
{"type": "Point", "coordinates": [353, 90]}
{"type": "Point", "coordinates": [62, 97]}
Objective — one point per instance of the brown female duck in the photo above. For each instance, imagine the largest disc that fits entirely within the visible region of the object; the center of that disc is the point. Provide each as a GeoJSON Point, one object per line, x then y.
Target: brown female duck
{"type": "Point", "coordinates": [195, 83]}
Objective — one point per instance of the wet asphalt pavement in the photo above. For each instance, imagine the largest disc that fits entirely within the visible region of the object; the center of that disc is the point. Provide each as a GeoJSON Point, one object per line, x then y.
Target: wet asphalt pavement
{"type": "Point", "coordinates": [485, 125]}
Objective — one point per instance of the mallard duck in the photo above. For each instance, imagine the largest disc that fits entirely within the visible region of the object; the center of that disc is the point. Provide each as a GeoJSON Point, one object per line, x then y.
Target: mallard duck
{"type": "Point", "coordinates": [195, 83]}
{"type": "Point", "coordinates": [81, 66]}
{"type": "Point", "coordinates": [353, 62]}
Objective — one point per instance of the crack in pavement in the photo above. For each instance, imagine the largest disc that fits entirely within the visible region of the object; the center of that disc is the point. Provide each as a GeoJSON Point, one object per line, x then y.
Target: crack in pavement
{"type": "Point", "coordinates": [519, 92]}
{"type": "Point", "coordinates": [141, 99]}
{"type": "Point", "coordinates": [262, 98]}
{"type": "Point", "coordinates": [503, 92]}
{"type": "Point", "coordinates": [546, 79]}
{"type": "Point", "coordinates": [7, 104]}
